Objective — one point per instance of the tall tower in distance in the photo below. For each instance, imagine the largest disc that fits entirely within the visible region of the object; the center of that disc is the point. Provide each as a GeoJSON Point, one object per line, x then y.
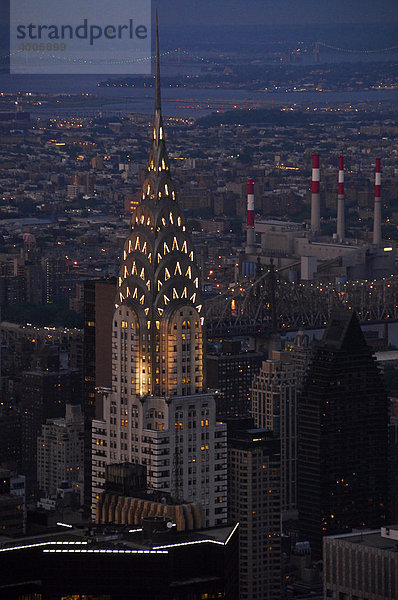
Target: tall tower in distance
{"type": "Point", "coordinates": [157, 412]}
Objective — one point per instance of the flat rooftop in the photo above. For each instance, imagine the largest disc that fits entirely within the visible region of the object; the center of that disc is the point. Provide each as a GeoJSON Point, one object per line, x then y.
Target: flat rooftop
{"type": "Point", "coordinates": [370, 539]}
{"type": "Point", "coordinates": [115, 537]}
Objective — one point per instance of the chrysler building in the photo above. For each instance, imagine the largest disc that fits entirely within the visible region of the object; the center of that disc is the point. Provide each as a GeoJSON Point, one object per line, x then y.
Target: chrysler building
{"type": "Point", "coordinates": [158, 413]}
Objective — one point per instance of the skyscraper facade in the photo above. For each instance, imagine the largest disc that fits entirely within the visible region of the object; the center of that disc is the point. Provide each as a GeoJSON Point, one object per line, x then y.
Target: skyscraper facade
{"type": "Point", "coordinates": [274, 407]}
{"type": "Point", "coordinates": [60, 451]}
{"type": "Point", "coordinates": [254, 502]}
{"type": "Point", "coordinates": [342, 436]}
{"type": "Point", "coordinates": [157, 412]}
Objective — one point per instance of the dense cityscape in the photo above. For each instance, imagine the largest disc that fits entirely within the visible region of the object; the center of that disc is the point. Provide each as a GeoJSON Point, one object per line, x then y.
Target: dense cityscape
{"type": "Point", "coordinates": [198, 333]}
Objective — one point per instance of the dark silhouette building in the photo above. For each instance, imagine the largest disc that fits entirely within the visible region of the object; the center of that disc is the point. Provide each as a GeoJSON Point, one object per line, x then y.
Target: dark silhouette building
{"type": "Point", "coordinates": [113, 563]}
{"type": "Point", "coordinates": [46, 389]}
{"type": "Point", "coordinates": [342, 433]}
{"type": "Point", "coordinates": [98, 302]}
{"type": "Point", "coordinates": [231, 372]}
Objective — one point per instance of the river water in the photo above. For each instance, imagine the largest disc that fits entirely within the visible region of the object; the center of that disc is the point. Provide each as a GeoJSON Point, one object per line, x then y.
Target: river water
{"type": "Point", "coordinates": [180, 102]}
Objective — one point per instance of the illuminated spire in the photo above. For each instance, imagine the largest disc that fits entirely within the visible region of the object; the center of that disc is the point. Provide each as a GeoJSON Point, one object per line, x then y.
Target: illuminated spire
{"type": "Point", "coordinates": [157, 70]}
{"type": "Point", "coordinates": [158, 183]}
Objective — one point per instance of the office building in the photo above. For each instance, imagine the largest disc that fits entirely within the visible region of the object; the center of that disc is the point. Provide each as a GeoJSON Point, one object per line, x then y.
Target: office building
{"type": "Point", "coordinates": [274, 407]}
{"type": "Point", "coordinates": [361, 565]}
{"type": "Point", "coordinates": [60, 451]}
{"type": "Point", "coordinates": [231, 372]}
{"type": "Point", "coordinates": [342, 433]}
{"type": "Point", "coordinates": [98, 303]}
{"type": "Point", "coordinates": [254, 502]}
{"type": "Point", "coordinates": [12, 504]}
{"type": "Point", "coordinates": [46, 390]}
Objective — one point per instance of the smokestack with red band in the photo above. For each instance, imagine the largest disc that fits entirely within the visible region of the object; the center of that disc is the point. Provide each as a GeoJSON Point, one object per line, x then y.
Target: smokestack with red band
{"type": "Point", "coordinates": [377, 210]}
{"type": "Point", "coordinates": [315, 198]}
{"type": "Point", "coordinates": [250, 234]}
{"type": "Point", "coordinates": [340, 201]}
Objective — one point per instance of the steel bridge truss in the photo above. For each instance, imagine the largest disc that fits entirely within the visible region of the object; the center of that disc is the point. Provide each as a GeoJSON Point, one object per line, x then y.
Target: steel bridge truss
{"type": "Point", "coordinates": [270, 303]}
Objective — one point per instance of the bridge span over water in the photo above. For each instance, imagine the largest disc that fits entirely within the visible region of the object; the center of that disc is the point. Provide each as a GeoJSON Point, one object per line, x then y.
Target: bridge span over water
{"type": "Point", "coordinates": [270, 303]}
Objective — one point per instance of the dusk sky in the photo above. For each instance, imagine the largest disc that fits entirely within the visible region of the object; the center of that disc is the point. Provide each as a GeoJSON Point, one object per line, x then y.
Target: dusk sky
{"type": "Point", "coordinates": [234, 12]}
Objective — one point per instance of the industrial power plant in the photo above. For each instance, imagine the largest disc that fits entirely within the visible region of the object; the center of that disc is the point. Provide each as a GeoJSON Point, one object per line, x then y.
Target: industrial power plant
{"type": "Point", "coordinates": [301, 253]}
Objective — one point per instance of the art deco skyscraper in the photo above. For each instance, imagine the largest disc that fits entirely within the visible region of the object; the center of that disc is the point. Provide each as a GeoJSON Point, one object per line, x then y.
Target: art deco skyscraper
{"type": "Point", "coordinates": [157, 413]}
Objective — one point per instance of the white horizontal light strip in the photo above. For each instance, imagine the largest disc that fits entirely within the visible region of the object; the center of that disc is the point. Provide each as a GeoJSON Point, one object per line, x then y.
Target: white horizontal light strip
{"type": "Point", "coordinates": [101, 551]}
{"type": "Point", "coordinates": [189, 544]}
{"type": "Point", "coordinates": [38, 545]}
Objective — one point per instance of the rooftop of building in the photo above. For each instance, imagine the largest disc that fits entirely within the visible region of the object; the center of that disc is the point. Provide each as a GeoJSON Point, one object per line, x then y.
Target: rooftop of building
{"type": "Point", "coordinates": [117, 538]}
{"type": "Point", "coordinates": [385, 538]}
{"type": "Point", "coordinates": [386, 356]}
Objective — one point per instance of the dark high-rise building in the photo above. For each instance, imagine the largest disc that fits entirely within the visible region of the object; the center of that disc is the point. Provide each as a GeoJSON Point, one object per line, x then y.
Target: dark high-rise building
{"type": "Point", "coordinates": [231, 373]}
{"type": "Point", "coordinates": [254, 502]}
{"type": "Point", "coordinates": [10, 435]}
{"type": "Point", "coordinates": [46, 389]}
{"type": "Point", "coordinates": [11, 507]}
{"type": "Point", "coordinates": [99, 297]}
{"type": "Point", "coordinates": [153, 563]}
{"type": "Point", "coordinates": [274, 407]}
{"type": "Point", "coordinates": [57, 279]}
{"type": "Point", "coordinates": [342, 433]}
